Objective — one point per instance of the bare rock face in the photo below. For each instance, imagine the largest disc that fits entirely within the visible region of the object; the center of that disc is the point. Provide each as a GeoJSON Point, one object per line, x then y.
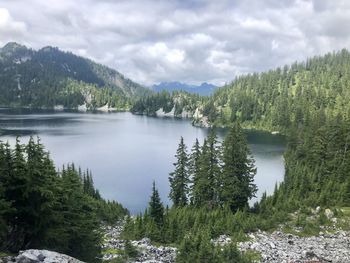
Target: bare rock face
{"type": "Point", "coordinates": [37, 256]}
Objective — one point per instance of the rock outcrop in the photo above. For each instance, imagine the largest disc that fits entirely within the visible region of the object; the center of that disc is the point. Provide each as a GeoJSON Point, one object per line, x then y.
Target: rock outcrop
{"type": "Point", "coordinates": [36, 256]}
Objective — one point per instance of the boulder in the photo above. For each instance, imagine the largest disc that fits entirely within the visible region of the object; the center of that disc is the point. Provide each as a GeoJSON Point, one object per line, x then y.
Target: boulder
{"type": "Point", "coordinates": [329, 214]}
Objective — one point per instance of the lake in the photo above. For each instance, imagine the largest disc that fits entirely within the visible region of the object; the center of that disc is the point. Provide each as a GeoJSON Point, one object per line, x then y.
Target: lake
{"type": "Point", "coordinates": [127, 152]}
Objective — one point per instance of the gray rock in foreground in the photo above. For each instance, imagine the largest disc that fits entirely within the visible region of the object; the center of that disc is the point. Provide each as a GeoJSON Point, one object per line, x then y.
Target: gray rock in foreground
{"type": "Point", "coordinates": [36, 256]}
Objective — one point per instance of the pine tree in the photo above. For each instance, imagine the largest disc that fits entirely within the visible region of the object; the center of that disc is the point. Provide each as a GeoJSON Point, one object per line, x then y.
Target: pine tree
{"type": "Point", "coordinates": [5, 205]}
{"type": "Point", "coordinates": [80, 223]}
{"type": "Point", "coordinates": [206, 183]}
{"type": "Point", "coordinates": [237, 178]}
{"type": "Point", "coordinates": [155, 207]}
{"type": "Point", "coordinates": [41, 192]}
{"type": "Point", "coordinates": [194, 167]}
{"type": "Point", "coordinates": [16, 190]}
{"type": "Point", "coordinates": [179, 179]}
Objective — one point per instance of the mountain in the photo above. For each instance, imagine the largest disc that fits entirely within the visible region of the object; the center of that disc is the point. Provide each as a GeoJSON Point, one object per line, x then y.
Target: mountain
{"type": "Point", "coordinates": [205, 89]}
{"type": "Point", "coordinates": [49, 77]}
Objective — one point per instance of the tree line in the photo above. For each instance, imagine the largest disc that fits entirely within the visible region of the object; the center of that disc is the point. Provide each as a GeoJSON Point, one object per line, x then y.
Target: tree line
{"type": "Point", "coordinates": [41, 207]}
{"type": "Point", "coordinates": [181, 101]}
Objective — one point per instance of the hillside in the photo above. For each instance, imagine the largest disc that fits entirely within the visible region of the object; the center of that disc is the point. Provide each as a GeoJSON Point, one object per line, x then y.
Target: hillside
{"type": "Point", "coordinates": [205, 89]}
{"type": "Point", "coordinates": [309, 102]}
{"type": "Point", "coordinates": [50, 77]}
{"type": "Point", "coordinates": [282, 99]}
{"type": "Point", "coordinates": [301, 94]}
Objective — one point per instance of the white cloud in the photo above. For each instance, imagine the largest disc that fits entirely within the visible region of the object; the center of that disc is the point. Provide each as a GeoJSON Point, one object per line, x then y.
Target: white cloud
{"type": "Point", "coordinates": [8, 25]}
{"type": "Point", "coordinates": [262, 25]}
{"type": "Point", "coordinates": [191, 41]}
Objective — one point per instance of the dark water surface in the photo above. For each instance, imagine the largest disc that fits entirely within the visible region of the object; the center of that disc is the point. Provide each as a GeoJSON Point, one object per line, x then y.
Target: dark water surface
{"type": "Point", "coordinates": [127, 152]}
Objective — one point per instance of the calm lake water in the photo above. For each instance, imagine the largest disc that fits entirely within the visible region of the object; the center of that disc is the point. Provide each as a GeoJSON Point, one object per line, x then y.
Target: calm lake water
{"type": "Point", "coordinates": [127, 152]}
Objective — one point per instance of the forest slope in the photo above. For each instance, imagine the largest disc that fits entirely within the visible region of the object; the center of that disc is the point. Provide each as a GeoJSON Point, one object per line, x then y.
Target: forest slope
{"type": "Point", "coordinates": [50, 77]}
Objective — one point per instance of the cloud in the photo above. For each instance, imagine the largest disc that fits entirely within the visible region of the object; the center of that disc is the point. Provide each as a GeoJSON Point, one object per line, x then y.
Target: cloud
{"type": "Point", "coordinates": [10, 27]}
{"type": "Point", "coordinates": [191, 41]}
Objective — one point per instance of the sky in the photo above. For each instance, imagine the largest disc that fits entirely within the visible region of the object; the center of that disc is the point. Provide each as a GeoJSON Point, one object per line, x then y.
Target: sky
{"type": "Point", "coordinates": [191, 41]}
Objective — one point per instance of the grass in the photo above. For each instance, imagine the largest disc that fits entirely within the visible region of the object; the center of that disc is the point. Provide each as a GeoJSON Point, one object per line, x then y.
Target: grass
{"type": "Point", "coordinates": [343, 215]}
{"type": "Point", "coordinates": [252, 255]}
{"type": "Point", "coordinates": [345, 211]}
{"type": "Point", "coordinates": [288, 229]}
{"type": "Point", "coordinates": [112, 251]}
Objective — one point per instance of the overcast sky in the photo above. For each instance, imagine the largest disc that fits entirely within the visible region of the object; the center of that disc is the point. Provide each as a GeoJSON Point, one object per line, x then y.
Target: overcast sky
{"type": "Point", "coordinates": [185, 40]}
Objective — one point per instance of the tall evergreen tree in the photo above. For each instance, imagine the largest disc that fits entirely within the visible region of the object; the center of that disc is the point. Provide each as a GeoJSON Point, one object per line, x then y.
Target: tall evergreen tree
{"type": "Point", "coordinates": [155, 207]}
{"type": "Point", "coordinates": [16, 191]}
{"type": "Point", "coordinates": [237, 178]}
{"type": "Point", "coordinates": [80, 223]}
{"type": "Point", "coordinates": [179, 179]}
{"type": "Point", "coordinates": [194, 167]}
{"type": "Point", "coordinates": [41, 192]}
{"type": "Point", "coordinates": [5, 204]}
{"type": "Point", "coordinates": [206, 184]}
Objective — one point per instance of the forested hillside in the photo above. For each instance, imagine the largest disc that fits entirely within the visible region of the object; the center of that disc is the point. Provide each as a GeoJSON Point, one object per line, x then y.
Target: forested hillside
{"type": "Point", "coordinates": [301, 95]}
{"type": "Point", "coordinates": [43, 208]}
{"type": "Point", "coordinates": [50, 77]}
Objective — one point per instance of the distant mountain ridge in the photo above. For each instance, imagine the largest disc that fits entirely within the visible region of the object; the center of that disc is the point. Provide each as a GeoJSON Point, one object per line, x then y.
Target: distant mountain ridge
{"type": "Point", "coordinates": [49, 76]}
{"type": "Point", "coordinates": [204, 89]}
